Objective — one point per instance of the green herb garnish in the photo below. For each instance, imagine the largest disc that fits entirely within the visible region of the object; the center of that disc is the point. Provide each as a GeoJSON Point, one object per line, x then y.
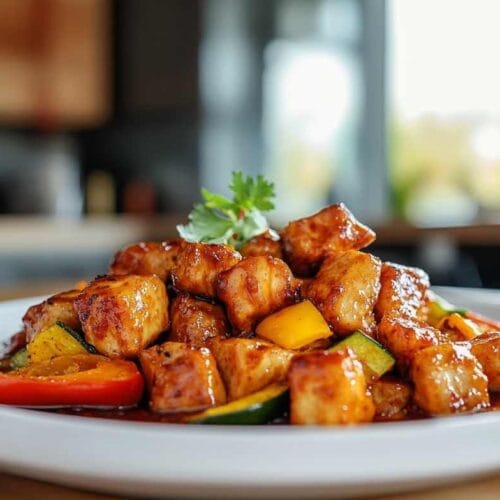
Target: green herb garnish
{"type": "Point", "coordinates": [235, 221]}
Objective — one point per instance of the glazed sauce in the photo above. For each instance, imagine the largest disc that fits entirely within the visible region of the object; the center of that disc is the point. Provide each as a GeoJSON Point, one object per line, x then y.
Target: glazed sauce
{"type": "Point", "coordinates": [143, 414]}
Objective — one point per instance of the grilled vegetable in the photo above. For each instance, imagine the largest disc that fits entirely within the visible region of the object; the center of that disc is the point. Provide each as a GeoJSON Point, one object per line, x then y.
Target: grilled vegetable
{"type": "Point", "coordinates": [459, 328]}
{"type": "Point", "coordinates": [57, 340]}
{"type": "Point", "coordinates": [438, 308]}
{"type": "Point", "coordinates": [20, 359]}
{"type": "Point", "coordinates": [295, 326]}
{"type": "Point", "coordinates": [375, 358]}
{"type": "Point", "coordinates": [258, 408]}
{"type": "Point", "coordinates": [81, 380]}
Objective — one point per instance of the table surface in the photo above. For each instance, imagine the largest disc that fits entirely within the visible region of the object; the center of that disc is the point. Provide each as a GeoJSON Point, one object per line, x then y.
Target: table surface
{"type": "Point", "coordinates": [14, 487]}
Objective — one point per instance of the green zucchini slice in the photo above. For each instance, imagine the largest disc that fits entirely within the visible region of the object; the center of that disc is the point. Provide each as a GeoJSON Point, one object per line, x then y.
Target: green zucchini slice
{"type": "Point", "coordinates": [438, 308]}
{"type": "Point", "coordinates": [258, 408]}
{"type": "Point", "coordinates": [57, 340]}
{"type": "Point", "coordinates": [77, 336]}
{"type": "Point", "coordinates": [20, 359]}
{"type": "Point", "coordinates": [374, 356]}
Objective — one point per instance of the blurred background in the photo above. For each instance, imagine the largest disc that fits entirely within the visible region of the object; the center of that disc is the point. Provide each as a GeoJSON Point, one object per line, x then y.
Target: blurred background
{"type": "Point", "coordinates": [114, 113]}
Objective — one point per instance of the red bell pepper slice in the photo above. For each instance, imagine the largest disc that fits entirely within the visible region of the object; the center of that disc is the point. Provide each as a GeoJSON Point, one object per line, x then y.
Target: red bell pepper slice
{"type": "Point", "coordinates": [79, 380]}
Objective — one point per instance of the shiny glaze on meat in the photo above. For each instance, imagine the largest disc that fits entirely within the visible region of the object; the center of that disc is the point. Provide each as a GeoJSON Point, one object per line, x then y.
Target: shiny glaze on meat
{"type": "Point", "coordinates": [121, 315]}
{"type": "Point", "coordinates": [255, 288]}
{"type": "Point", "coordinates": [486, 348]}
{"type": "Point", "coordinates": [448, 379]}
{"type": "Point", "coordinates": [308, 241]}
{"type": "Point", "coordinates": [248, 365]}
{"type": "Point", "coordinates": [59, 307]}
{"type": "Point", "coordinates": [329, 388]}
{"type": "Point", "coordinates": [405, 337]}
{"type": "Point", "coordinates": [345, 291]}
{"type": "Point", "coordinates": [196, 321]}
{"type": "Point", "coordinates": [402, 291]}
{"type": "Point", "coordinates": [181, 378]}
{"type": "Point", "coordinates": [267, 243]}
{"type": "Point", "coordinates": [147, 258]}
{"type": "Point", "coordinates": [198, 266]}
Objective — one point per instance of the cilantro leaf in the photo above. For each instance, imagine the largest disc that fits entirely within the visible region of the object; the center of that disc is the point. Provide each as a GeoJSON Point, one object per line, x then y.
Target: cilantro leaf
{"type": "Point", "coordinates": [232, 221]}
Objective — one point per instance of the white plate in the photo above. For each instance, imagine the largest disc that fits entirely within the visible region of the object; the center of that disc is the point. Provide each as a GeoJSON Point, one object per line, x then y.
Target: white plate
{"type": "Point", "coordinates": [144, 459]}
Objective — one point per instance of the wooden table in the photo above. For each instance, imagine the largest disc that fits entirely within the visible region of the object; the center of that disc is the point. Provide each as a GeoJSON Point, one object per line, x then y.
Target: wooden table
{"type": "Point", "coordinates": [14, 487]}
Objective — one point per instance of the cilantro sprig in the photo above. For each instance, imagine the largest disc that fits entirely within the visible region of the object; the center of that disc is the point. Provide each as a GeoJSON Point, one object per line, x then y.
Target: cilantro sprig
{"type": "Point", "coordinates": [232, 221]}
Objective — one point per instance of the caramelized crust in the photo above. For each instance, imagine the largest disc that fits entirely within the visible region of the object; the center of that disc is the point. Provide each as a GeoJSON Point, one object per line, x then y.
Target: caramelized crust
{"type": "Point", "coordinates": [147, 258]}
{"type": "Point", "coordinates": [121, 315]}
{"type": "Point", "coordinates": [402, 291]}
{"type": "Point", "coordinates": [199, 264]}
{"type": "Point", "coordinates": [345, 291]}
{"type": "Point", "coordinates": [405, 337]}
{"type": "Point", "coordinates": [181, 378]}
{"type": "Point", "coordinates": [328, 388]}
{"type": "Point", "coordinates": [196, 322]}
{"type": "Point", "coordinates": [307, 242]}
{"type": "Point", "coordinates": [267, 243]}
{"type": "Point", "coordinates": [56, 308]}
{"type": "Point", "coordinates": [448, 379]}
{"type": "Point", "coordinates": [254, 288]}
{"type": "Point", "coordinates": [391, 397]}
{"type": "Point", "coordinates": [486, 348]}
{"type": "Point", "coordinates": [248, 365]}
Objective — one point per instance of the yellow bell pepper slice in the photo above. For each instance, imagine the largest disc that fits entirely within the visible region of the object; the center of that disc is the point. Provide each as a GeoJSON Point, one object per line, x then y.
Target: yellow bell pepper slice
{"type": "Point", "coordinates": [295, 326]}
{"type": "Point", "coordinates": [467, 328]}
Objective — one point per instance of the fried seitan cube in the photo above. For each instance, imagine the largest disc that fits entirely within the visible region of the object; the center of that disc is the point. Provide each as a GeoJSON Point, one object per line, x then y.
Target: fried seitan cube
{"type": "Point", "coordinates": [448, 379]}
{"type": "Point", "coordinates": [329, 388]}
{"type": "Point", "coordinates": [402, 291]}
{"type": "Point", "coordinates": [391, 397]}
{"type": "Point", "coordinates": [404, 337]}
{"type": "Point", "coordinates": [254, 288]}
{"type": "Point", "coordinates": [345, 291]}
{"type": "Point", "coordinates": [486, 348]}
{"type": "Point", "coordinates": [248, 365]}
{"type": "Point", "coordinates": [307, 242]}
{"type": "Point", "coordinates": [147, 258]}
{"type": "Point", "coordinates": [199, 264]}
{"type": "Point", "coordinates": [196, 321]}
{"type": "Point", "coordinates": [59, 307]}
{"type": "Point", "coordinates": [121, 315]}
{"type": "Point", "coordinates": [181, 378]}
{"type": "Point", "coordinates": [267, 243]}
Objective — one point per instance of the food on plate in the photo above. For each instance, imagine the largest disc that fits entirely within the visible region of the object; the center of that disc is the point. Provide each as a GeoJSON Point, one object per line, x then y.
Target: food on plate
{"type": "Point", "coordinates": [254, 288]}
{"type": "Point", "coordinates": [122, 315]}
{"type": "Point", "coordinates": [267, 243]}
{"type": "Point", "coordinates": [391, 397]}
{"type": "Point", "coordinates": [196, 321]}
{"type": "Point", "coordinates": [78, 380]}
{"type": "Point", "coordinates": [294, 326]}
{"type": "Point", "coordinates": [235, 323]}
{"type": "Point", "coordinates": [448, 378]}
{"type": "Point", "coordinates": [376, 359]}
{"type": "Point", "coordinates": [328, 388]}
{"type": "Point", "coordinates": [307, 242]}
{"type": "Point", "coordinates": [345, 290]}
{"type": "Point", "coordinates": [56, 308]}
{"type": "Point", "coordinates": [147, 258]}
{"type": "Point", "coordinates": [57, 340]}
{"type": "Point", "coordinates": [181, 378]}
{"type": "Point", "coordinates": [199, 266]}
{"type": "Point", "coordinates": [248, 365]}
